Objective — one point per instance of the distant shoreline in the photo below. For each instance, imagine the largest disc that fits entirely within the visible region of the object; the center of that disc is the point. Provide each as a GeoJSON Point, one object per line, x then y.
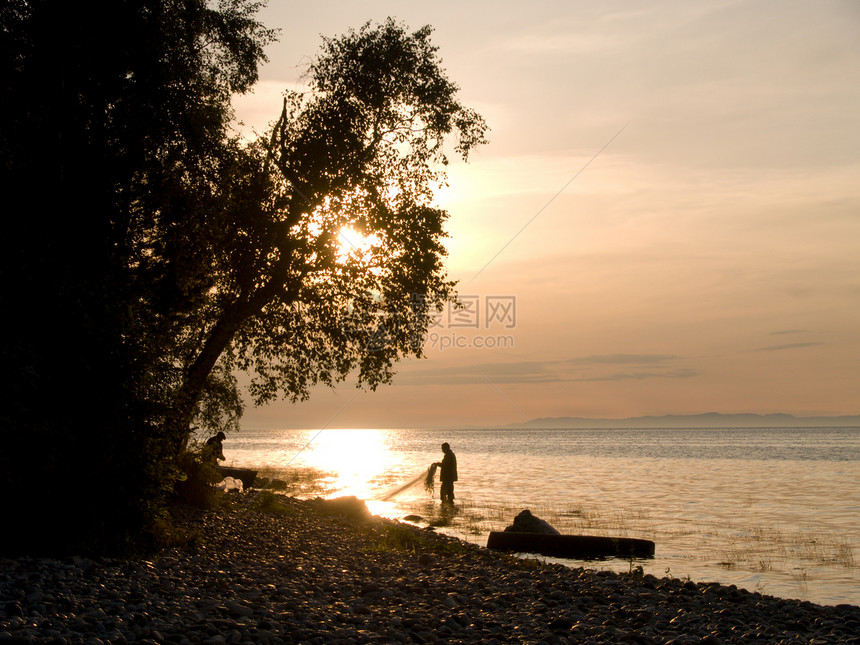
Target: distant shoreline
{"type": "Point", "coordinates": [712, 420]}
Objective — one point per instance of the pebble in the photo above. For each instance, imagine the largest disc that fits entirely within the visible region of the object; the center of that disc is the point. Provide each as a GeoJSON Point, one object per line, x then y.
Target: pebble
{"type": "Point", "coordinates": [306, 575]}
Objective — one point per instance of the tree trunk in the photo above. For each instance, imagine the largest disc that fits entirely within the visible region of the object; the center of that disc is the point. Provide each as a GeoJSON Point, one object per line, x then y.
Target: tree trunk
{"type": "Point", "coordinates": [195, 377]}
{"type": "Point", "coordinates": [219, 339]}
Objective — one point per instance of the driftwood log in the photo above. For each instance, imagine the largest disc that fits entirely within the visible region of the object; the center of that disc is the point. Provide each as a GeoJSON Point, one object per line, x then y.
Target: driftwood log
{"type": "Point", "coordinates": [245, 475]}
{"type": "Point", "coordinates": [576, 547]}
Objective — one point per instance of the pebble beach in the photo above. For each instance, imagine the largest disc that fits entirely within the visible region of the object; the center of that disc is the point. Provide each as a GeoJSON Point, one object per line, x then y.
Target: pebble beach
{"type": "Point", "coordinates": [274, 569]}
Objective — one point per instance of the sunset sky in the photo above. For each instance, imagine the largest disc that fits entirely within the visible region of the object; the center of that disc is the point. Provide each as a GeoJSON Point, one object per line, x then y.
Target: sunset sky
{"type": "Point", "coordinates": [666, 219]}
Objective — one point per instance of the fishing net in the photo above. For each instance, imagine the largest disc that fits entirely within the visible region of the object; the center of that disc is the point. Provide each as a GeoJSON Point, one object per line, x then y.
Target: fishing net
{"type": "Point", "coordinates": [426, 476]}
{"type": "Point", "coordinates": [428, 479]}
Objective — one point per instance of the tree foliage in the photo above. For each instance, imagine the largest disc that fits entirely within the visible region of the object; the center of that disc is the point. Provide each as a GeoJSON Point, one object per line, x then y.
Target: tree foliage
{"type": "Point", "coordinates": [361, 149]}
{"type": "Point", "coordinates": [115, 117]}
{"type": "Point", "coordinates": [157, 254]}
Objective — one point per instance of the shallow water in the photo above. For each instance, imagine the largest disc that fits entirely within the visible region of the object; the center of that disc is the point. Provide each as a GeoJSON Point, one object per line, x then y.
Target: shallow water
{"type": "Point", "coordinates": [770, 510]}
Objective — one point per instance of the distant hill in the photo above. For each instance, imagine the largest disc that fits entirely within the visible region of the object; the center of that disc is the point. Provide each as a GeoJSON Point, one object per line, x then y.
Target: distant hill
{"type": "Point", "coordinates": [708, 420]}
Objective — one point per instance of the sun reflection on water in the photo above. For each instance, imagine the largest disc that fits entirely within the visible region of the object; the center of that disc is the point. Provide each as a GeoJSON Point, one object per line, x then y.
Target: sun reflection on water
{"type": "Point", "coordinates": [772, 509]}
{"type": "Point", "coordinates": [356, 459]}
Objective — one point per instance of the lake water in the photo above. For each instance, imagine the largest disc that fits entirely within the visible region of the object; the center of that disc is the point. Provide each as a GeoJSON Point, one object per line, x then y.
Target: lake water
{"type": "Point", "coordinates": [769, 510]}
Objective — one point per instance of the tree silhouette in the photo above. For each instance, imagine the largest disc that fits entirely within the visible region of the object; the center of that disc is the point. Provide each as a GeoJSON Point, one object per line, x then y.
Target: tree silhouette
{"type": "Point", "coordinates": [115, 118]}
{"type": "Point", "coordinates": [362, 148]}
{"type": "Point", "coordinates": [154, 254]}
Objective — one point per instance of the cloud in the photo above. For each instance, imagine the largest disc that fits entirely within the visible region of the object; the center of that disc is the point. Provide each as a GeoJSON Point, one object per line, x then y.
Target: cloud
{"type": "Point", "coordinates": [778, 348]}
{"type": "Point", "coordinates": [638, 376]}
{"type": "Point", "coordinates": [624, 359]}
{"type": "Point", "coordinates": [566, 43]}
{"type": "Point", "coordinates": [579, 369]}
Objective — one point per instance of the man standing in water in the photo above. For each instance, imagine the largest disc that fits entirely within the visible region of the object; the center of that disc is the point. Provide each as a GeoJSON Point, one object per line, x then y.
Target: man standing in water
{"type": "Point", "coordinates": [448, 474]}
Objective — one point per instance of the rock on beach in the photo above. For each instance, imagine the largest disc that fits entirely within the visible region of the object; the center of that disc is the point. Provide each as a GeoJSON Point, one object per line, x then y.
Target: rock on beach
{"type": "Point", "coordinates": [293, 571]}
{"type": "Point", "coordinates": [525, 522]}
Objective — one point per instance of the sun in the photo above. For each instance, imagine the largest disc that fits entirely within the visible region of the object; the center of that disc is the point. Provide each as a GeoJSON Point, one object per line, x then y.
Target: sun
{"type": "Point", "coordinates": [353, 243]}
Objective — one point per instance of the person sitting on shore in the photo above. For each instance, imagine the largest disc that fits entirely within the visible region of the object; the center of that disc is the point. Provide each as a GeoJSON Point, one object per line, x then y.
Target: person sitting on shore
{"type": "Point", "coordinates": [213, 450]}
